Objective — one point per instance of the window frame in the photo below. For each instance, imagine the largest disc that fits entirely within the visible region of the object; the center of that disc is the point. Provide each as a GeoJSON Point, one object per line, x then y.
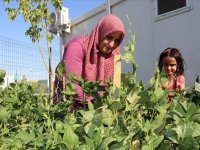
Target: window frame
{"type": "Point", "coordinates": [188, 7]}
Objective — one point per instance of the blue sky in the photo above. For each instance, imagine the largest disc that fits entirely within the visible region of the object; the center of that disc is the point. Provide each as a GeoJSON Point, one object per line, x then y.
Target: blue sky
{"type": "Point", "coordinates": [16, 29]}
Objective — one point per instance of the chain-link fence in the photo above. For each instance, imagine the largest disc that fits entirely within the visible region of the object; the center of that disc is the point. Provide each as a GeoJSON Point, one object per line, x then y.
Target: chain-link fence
{"type": "Point", "coordinates": [23, 61]}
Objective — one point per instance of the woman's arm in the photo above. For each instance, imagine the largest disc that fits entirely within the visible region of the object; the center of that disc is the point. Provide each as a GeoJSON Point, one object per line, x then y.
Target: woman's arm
{"type": "Point", "coordinates": [73, 59]}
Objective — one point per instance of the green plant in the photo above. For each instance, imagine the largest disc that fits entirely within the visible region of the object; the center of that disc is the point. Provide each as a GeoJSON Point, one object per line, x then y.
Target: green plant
{"type": "Point", "coordinates": [140, 118]}
{"type": "Point", "coordinates": [2, 75]}
{"type": "Point", "coordinates": [36, 14]}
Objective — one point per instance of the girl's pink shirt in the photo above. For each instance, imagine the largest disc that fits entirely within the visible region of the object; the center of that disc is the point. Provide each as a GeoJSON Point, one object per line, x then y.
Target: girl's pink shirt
{"type": "Point", "coordinates": [174, 86]}
{"type": "Point", "coordinates": [179, 80]}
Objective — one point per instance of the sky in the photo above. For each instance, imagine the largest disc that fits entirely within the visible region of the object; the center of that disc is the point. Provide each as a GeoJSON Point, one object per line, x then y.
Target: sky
{"type": "Point", "coordinates": [15, 31]}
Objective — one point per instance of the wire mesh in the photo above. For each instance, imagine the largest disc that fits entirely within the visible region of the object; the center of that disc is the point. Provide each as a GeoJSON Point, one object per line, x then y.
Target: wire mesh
{"type": "Point", "coordinates": [23, 61]}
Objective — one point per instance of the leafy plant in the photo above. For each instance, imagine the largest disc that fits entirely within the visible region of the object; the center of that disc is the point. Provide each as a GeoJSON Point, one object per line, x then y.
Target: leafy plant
{"type": "Point", "coordinates": [140, 118]}
{"type": "Point", "coordinates": [2, 75]}
{"type": "Point", "coordinates": [36, 14]}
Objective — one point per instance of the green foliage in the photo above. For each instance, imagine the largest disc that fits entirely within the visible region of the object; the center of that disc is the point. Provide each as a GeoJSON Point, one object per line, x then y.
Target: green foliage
{"type": "Point", "coordinates": [129, 56]}
{"type": "Point", "coordinates": [36, 14]}
{"type": "Point", "coordinates": [60, 70]}
{"type": "Point", "coordinates": [140, 118]}
{"type": "Point", "coordinates": [193, 94]}
{"type": "Point", "coordinates": [198, 79]}
{"type": "Point", "coordinates": [2, 75]}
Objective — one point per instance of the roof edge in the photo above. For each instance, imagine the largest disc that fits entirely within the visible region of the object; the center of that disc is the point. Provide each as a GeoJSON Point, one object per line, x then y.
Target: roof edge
{"type": "Point", "coordinates": [93, 12]}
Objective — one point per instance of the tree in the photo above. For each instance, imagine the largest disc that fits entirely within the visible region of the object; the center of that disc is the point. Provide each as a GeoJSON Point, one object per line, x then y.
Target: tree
{"type": "Point", "coordinates": [37, 14]}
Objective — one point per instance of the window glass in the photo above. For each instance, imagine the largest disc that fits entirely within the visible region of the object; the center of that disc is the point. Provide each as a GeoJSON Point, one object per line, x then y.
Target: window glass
{"type": "Point", "coordinates": [168, 8]}
{"type": "Point", "coordinates": [165, 6]}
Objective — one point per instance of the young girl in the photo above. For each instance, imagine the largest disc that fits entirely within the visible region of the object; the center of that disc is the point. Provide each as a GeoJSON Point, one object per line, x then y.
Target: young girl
{"type": "Point", "coordinates": [172, 63]}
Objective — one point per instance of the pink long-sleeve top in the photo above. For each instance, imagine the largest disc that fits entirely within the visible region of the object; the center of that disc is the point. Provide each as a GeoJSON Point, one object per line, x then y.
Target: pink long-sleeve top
{"type": "Point", "coordinates": [82, 56]}
{"type": "Point", "coordinates": [73, 59]}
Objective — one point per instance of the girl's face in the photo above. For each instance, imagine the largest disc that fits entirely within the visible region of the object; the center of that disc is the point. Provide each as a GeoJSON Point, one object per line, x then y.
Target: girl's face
{"type": "Point", "coordinates": [110, 42]}
{"type": "Point", "coordinates": [170, 65]}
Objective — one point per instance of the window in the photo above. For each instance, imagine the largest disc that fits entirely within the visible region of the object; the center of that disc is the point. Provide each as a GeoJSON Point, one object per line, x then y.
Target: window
{"type": "Point", "coordinates": [167, 8]}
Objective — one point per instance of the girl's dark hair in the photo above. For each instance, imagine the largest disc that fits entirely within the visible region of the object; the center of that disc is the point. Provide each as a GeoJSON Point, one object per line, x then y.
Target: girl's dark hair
{"type": "Point", "coordinates": [175, 53]}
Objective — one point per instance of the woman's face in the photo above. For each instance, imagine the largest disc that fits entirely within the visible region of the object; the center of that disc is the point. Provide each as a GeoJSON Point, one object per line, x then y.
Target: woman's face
{"type": "Point", "coordinates": [110, 42]}
{"type": "Point", "coordinates": [169, 65]}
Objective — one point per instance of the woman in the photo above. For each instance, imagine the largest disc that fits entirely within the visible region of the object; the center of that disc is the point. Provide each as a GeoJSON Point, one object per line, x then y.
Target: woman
{"type": "Point", "coordinates": [92, 56]}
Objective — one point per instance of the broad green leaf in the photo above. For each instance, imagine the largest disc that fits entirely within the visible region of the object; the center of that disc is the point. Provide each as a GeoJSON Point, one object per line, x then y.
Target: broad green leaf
{"type": "Point", "coordinates": [184, 105]}
{"type": "Point", "coordinates": [82, 147]}
{"type": "Point", "coordinates": [128, 57]}
{"type": "Point", "coordinates": [89, 142]}
{"type": "Point", "coordinates": [147, 126]}
{"type": "Point", "coordinates": [97, 138]}
{"type": "Point", "coordinates": [172, 135]}
{"type": "Point", "coordinates": [106, 141]}
{"type": "Point", "coordinates": [90, 106]}
{"type": "Point", "coordinates": [146, 147]}
{"type": "Point", "coordinates": [181, 129]}
{"type": "Point", "coordinates": [59, 126]}
{"type": "Point", "coordinates": [60, 70]}
{"type": "Point", "coordinates": [192, 109]}
{"type": "Point", "coordinates": [195, 118]}
{"type": "Point", "coordinates": [133, 95]}
{"type": "Point", "coordinates": [25, 137]}
{"type": "Point", "coordinates": [70, 89]}
{"type": "Point", "coordinates": [56, 138]}
{"type": "Point", "coordinates": [70, 138]}
{"type": "Point", "coordinates": [159, 123]}
{"type": "Point", "coordinates": [165, 145]}
{"type": "Point", "coordinates": [17, 143]}
{"type": "Point", "coordinates": [185, 128]}
{"type": "Point", "coordinates": [97, 120]}
{"type": "Point", "coordinates": [4, 114]}
{"type": "Point", "coordinates": [107, 117]}
{"type": "Point", "coordinates": [90, 129]}
{"type": "Point", "coordinates": [48, 142]}
{"type": "Point", "coordinates": [117, 146]}
{"type": "Point", "coordinates": [178, 110]}
{"type": "Point", "coordinates": [156, 140]}
{"type": "Point", "coordinates": [189, 143]}
{"type": "Point", "coordinates": [195, 128]}
{"type": "Point", "coordinates": [115, 106]}
{"type": "Point", "coordinates": [159, 92]}
{"type": "Point", "coordinates": [87, 115]}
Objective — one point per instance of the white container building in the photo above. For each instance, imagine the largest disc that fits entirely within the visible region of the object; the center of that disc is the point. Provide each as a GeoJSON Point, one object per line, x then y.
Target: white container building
{"type": "Point", "coordinates": [156, 25]}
